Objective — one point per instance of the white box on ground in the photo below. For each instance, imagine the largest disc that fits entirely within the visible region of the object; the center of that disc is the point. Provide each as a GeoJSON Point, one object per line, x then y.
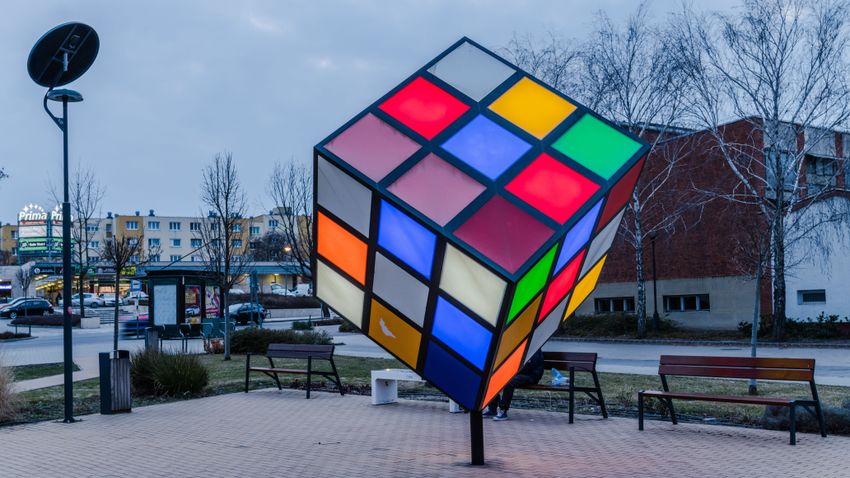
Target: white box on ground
{"type": "Point", "coordinates": [385, 386]}
{"type": "Point", "coordinates": [90, 322]}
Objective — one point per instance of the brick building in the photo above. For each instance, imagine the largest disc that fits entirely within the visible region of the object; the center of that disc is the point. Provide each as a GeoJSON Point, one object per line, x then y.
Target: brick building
{"type": "Point", "coordinates": [704, 264]}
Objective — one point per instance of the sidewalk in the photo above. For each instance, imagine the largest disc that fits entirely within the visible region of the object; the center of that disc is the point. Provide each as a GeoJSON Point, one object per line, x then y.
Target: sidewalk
{"type": "Point", "coordinates": [272, 433]}
{"type": "Point", "coordinates": [89, 368]}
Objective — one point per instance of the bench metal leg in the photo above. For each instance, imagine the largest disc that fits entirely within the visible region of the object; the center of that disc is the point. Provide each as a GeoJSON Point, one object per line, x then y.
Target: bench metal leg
{"type": "Point", "coordinates": [336, 375]}
{"type": "Point", "coordinates": [247, 370]}
{"type": "Point", "coordinates": [309, 370]}
{"type": "Point", "coordinates": [572, 393]}
{"type": "Point", "coordinates": [274, 374]}
{"type": "Point", "coordinates": [792, 422]}
{"type": "Point", "coordinates": [672, 411]}
{"type": "Point", "coordinates": [821, 424]}
{"type": "Point", "coordinates": [640, 410]}
{"type": "Point", "coordinates": [599, 394]}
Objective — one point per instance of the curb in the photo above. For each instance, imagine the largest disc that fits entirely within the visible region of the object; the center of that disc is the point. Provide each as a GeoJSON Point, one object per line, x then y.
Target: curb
{"type": "Point", "coordinates": [6, 341]}
{"type": "Point", "coordinates": [715, 343]}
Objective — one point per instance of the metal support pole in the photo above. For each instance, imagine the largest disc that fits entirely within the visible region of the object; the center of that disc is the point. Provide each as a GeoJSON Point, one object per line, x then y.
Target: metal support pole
{"type": "Point", "coordinates": [476, 433]}
{"type": "Point", "coordinates": [66, 277]}
{"type": "Point", "coordinates": [655, 318]}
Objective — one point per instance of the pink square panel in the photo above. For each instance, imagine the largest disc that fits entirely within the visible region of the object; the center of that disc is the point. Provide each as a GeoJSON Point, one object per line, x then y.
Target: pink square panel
{"type": "Point", "coordinates": [504, 233]}
{"type": "Point", "coordinates": [372, 147]}
{"type": "Point", "coordinates": [436, 189]}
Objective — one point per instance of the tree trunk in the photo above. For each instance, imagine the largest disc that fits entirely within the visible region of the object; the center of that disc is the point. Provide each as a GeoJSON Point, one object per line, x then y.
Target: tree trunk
{"type": "Point", "coordinates": [754, 336]}
{"type": "Point", "coordinates": [640, 307]}
{"type": "Point", "coordinates": [81, 277]}
{"type": "Point", "coordinates": [779, 278]}
{"type": "Point", "coordinates": [223, 302]}
{"type": "Point", "coordinates": [115, 324]}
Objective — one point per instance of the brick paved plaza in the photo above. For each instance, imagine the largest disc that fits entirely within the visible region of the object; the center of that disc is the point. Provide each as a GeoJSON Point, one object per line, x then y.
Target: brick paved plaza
{"type": "Point", "coordinates": [272, 433]}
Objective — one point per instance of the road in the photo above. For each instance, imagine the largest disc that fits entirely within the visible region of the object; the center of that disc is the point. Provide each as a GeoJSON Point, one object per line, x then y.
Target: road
{"type": "Point", "coordinates": [833, 364]}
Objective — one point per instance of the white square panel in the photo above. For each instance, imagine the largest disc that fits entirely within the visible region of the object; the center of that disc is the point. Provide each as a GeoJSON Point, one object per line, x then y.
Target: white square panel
{"type": "Point", "coordinates": [472, 284]}
{"type": "Point", "coordinates": [601, 243]}
{"type": "Point", "coordinates": [340, 294]}
{"type": "Point", "coordinates": [472, 71]}
{"type": "Point", "coordinates": [546, 328]}
{"type": "Point", "coordinates": [342, 195]}
{"type": "Point", "coordinates": [400, 289]}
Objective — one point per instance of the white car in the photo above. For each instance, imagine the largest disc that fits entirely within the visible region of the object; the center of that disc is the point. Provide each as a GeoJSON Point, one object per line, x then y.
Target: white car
{"type": "Point", "coordinates": [89, 300]}
{"type": "Point", "coordinates": [108, 299]}
{"type": "Point", "coordinates": [278, 289]}
{"type": "Point", "coordinates": [128, 299]}
{"type": "Point", "coordinates": [236, 291]}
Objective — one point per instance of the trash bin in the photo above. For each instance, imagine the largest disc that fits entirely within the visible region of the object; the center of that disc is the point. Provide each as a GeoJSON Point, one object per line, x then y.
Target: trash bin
{"type": "Point", "coordinates": [115, 382]}
{"type": "Point", "coordinates": [152, 339]}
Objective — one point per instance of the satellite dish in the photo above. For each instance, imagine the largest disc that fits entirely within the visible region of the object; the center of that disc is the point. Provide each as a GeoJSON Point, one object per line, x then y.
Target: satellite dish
{"type": "Point", "coordinates": [63, 54]}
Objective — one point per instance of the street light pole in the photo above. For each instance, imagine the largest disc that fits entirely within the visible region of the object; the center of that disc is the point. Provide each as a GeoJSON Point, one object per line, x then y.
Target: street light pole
{"type": "Point", "coordinates": [655, 318]}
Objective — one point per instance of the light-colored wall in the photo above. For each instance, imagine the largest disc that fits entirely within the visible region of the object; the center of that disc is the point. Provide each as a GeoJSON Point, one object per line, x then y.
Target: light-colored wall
{"type": "Point", "coordinates": [818, 271]}
{"type": "Point", "coordinates": [731, 298]}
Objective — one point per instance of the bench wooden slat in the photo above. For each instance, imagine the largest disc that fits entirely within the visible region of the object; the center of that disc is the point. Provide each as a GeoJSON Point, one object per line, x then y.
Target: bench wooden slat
{"type": "Point", "coordinates": [757, 362]}
{"type": "Point", "coordinates": [296, 351]}
{"type": "Point", "coordinates": [737, 372]}
{"type": "Point", "coordinates": [564, 360]}
{"type": "Point", "coordinates": [279, 370]}
{"type": "Point", "coordinates": [752, 400]}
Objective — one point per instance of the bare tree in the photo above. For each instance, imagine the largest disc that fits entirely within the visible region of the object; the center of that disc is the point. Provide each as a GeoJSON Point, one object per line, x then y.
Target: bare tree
{"type": "Point", "coordinates": [224, 250]}
{"type": "Point", "coordinates": [24, 275]}
{"type": "Point", "coordinates": [119, 252]}
{"type": "Point", "coordinates": [627, 74]}
{"type": "Point", "coordinates": [779, 67]}
{"type": "Point", "coordinates": [86, 196]}
{"type": "Point", "coordinates": [291, 189]}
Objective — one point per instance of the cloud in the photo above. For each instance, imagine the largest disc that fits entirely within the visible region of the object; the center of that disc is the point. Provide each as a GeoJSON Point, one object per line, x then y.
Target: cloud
{"type": "Point", "coordinates": [265, 24]}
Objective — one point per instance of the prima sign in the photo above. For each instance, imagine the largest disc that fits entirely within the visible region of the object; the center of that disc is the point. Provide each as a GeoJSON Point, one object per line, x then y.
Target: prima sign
{"type": "Point", "coordinates": [35, 213]}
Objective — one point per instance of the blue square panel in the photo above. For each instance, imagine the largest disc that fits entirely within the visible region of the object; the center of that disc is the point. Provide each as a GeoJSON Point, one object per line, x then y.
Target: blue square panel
{"type": "Point", "coordinates": [461, 333]}
{"type": "Point", "coordinates": [452, 376]}
{"type": "Point", "coordinates": [486, 146]}
{"type": "Point", "coordinates": [577, 237]}
{"type": "Point", "coordinates": [406, 239]}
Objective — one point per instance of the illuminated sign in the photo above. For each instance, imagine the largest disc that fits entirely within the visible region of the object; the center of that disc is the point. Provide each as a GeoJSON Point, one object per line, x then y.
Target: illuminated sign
{"type": "Point", "coordinates": [39, 232]}
{"type": "Point", "coordinates": [463, 216]}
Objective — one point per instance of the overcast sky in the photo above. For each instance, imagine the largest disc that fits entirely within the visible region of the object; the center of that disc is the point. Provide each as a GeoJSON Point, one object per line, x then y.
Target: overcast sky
{"type": "Point", "coordinates": [177, 81]}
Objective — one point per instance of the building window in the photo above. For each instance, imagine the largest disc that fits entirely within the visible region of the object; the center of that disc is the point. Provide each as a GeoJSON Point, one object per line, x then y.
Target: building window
{"type": "Point", "coordinates": [195, 243]}
{"type": "Point", "coordinates": [686, 303]}
{"type": "Point", "coordinates": [194, 226]}
{"type": "Point", "coordinates": [153, 225]}
{"type": "Point", "coordinates": [134, 259]}
{"type": "Point", "coordinates": [817, 296]}
{"type": "Point", "coordinates": [255, 230]}
{"type": "Point", "coordinates": [133, 241]}
{"type": "Point", "coordinates": [175, 258]}
{"type": "Point", "coordinates": [237, 227]}
{"type": "Point", "coordinates": [14, 251]}
{"type": "Point", "coordinates": [109, 228]}
{"type": "Point", "coordinates": [820, 174]}
{"type": "Point", "coordinates": [154, 257]}
{"type": "Point", "coordinates": [153, 242]}
{"type": "Point", "coordinates": [196, 259]}
{"type": "Point", "coordinates": [94, 259]}
{"type": "Point", "coordinates": [173, 226]}
{"type": "Point", "coordinates": [236, 243]}
{"type": "Point", "coordinates": [132, 225]}
{"type": "Point", "coordinates": [236, 258]}
{"type": "Point", "coordinates": [607, 305]}
{"type": "Point", "coordinates": [89, 228]}
{"type": "Point", "coordinates": [272, 223]}
{"type": "Point", "coordinates": [94, 244]}
{"type": "Point", "coordinates": [175, 243]}
{"type": "Point", "coordinates": [214, 226]}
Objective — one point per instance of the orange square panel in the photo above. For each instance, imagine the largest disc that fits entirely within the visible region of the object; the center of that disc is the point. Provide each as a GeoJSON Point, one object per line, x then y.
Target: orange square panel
{"type": "Point", "coordinates": [341, 248]}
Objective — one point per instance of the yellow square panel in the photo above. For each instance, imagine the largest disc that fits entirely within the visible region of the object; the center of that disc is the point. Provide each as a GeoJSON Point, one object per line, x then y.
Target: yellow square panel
{"type": "Point", "coordinates": [532, 107]}
{"type": "Point", "coordinates": [395, 334]}
{"type": "Point", "coordinates": [584, 287]}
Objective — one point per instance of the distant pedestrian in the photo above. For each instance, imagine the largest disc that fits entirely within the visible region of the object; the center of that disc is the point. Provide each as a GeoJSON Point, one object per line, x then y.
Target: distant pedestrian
{"type": "Point", "coordinates": [530, 374]}
{"type": "Point", "coordinates": [58, 298]}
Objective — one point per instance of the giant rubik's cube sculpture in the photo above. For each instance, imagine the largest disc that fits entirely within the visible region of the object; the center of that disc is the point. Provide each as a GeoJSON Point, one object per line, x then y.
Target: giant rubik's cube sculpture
{"type": "Point", "coordinates": [464, 215]}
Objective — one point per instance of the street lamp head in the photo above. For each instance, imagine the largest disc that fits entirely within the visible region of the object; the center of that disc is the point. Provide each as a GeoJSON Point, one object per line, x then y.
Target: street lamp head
{"type": "Point", "coordinates": [70, 96]}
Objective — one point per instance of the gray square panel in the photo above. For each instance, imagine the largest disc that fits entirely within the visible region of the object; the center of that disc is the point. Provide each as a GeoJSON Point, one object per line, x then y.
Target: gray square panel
{"type": "Point", "coordinates": [472, 71]}
{"type": "Point", "coordinates": [400, 289]}
{"type": "Point", "coordinates": [601, 243]}
{"type": "Point", "coordinates": [547, 328]}
{"type": "Point", "coordinates": [342, 195]}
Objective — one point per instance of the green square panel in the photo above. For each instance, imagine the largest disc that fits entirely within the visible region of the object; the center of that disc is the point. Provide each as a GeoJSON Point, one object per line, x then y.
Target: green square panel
{"type": "Point", "coordinates": [531, 283]}
{"type": "Point", "coordinates": [597, 146]}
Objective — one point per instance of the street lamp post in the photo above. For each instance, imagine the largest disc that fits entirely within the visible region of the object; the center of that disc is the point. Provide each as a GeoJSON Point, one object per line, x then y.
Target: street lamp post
{"type": "Point", "coordinates": [655, 318]}
{"type": "Point", "coordinates": [59, 57]}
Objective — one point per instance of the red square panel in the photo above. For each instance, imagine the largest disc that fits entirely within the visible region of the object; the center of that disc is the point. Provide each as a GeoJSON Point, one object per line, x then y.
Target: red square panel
{"type": "Point", "coordinates": [424, 107]}
{"type": "Point", "coordinates": [553, 188]}
{"type": "Point", "coordinates": [620, 194]}
{"type": "Point", "coordinates": [560, 285]}
{"type": "Point", "coordinates": [504, 233]}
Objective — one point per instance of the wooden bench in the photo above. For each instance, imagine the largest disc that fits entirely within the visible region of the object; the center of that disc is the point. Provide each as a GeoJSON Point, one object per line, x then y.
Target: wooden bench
{"type": "Point", "coordinates": [776, 369]}
{"type": "Point", "coordinates": [573, 362]}
{"type": "Point", "coordinates": [296, 351]}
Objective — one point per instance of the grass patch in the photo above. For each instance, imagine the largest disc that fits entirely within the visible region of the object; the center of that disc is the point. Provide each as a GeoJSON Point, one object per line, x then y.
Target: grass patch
{"type": "Point", "coordinates": [620, 391]}
{"type": "Point", "coordinates": [29, 372]}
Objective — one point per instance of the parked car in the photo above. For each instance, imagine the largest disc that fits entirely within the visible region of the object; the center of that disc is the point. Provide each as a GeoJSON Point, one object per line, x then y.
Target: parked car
{"type": "Point", "coordinates": [242, 313]}
{"type": "Point", "coordinates": [279, 289]}
{"type": "Point", "coordinates": [108, 299]}
{"type": "Point", "coordinates": [129, 297]}
{"type": "Point", "coordinates": [236, 291]}
{"type": "Point", "coordinates": [27, 307]}
{"type": "Point", "coordinates": [301, 290]}
{"type": "Point", "coordinates": [89, 300]}
{"type": "Point", "coordinates": [12, 302]}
